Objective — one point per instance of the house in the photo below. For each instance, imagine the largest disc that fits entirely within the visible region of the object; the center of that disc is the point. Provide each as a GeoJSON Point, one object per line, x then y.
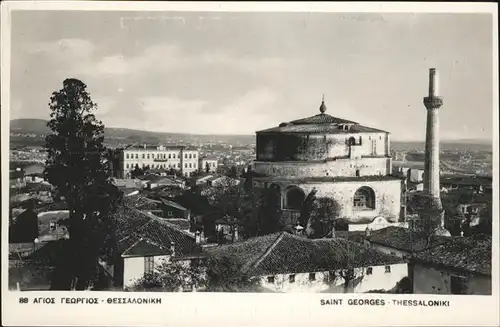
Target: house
{"type": "Point", "coordinates": [173, 209]}
{"type": "Point", "coordinates": [145, 204]}
{"type": "Point", "coordinates": [400, 241]}
{"type": "Point", "coordinates": [17, 178]}
{"type": "Point", "coordinates": [145, 242]}
{"type": "Point", "coordinates": [208, 163]}
{"type": "Point", "coordinates": [284, 262]}
{"type": "Point", "coordinates": [460, 266]}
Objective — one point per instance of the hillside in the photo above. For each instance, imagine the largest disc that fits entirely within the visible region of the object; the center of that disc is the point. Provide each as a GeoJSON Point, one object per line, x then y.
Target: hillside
{"type": "Point", "coordinates": [38, 129]}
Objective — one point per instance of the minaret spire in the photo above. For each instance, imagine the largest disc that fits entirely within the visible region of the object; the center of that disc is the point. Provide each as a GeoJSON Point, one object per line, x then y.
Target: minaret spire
{"type": "Point", "coordinates": [322, 108]}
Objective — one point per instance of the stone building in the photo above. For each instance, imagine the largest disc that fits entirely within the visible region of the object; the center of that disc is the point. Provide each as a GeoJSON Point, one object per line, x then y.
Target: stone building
{"type": "Point", "coordinates": [158, 157]}
{"type": "Point", "coordinates": [341, 159]}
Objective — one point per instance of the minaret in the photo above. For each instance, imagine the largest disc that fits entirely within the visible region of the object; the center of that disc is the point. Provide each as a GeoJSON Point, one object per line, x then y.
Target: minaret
{"type": "Point", "coordinates": [431, 174]}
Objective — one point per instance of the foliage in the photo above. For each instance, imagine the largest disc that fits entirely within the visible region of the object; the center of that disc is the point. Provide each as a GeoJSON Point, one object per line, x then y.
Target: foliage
{"type": "Point", "coordinates": [211, 274]}
{"type": "Point", "coordinates": [176, 276]}
{"type": "Point", "coordinates": [323, 215]}
{"type": "Point", "coordinates": [225, 274]}
{"type": "Point", "coordinates": [485, 220]}
{"type": "Point", "coordinates": [136, 172]}
{"type": "Point", "coordinates": [76, 167]}
{"type": "Point", "coordinates": [307, 207]}
{"type": "Point", "coordinates": [25, 227]}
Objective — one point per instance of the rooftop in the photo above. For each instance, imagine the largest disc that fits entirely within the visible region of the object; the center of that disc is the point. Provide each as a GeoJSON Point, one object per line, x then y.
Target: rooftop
{"type": "Point", "coordinates": [321, 123]}
{"type": "Point", "coordinates": [134, 225]}
{"type": "Point", "coordinates": [141, 202]}
{"type": "Point", "coordinates": [283, 253]}
{"type": "Point", "coordinates": [404, 239]}
{"type": "Point", "coordinates": [471, 254]}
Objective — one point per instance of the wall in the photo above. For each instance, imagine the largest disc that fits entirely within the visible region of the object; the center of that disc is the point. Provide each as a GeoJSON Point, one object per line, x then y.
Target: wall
{"type": "Point", "coordinates": [133, 268]}
{"type": "Point", "coordinates": [211, 163]}
{"type": "Point", "coordinates": [434, 280]}
{"type": "Point", "coordinates": [379, 279]}
{"type": "Point", "coordinates": [387, 197]}
{"type": "Point", "coordinates": [304, 147]}
{"type": "Point", "coordinates": [340, 167]}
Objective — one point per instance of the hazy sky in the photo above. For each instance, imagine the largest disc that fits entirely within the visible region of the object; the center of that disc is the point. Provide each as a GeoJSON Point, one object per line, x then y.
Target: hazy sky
{"type": "Point", "coordinates": [235, 73]}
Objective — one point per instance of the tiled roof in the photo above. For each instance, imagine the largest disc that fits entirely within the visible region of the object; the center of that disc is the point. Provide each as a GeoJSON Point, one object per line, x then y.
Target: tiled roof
{"type": "Point", "coordinates": [16, 174]}
{"type": "Point", "coordinates": [321, 128]}
{"type": "Point", "coordinates": [464, 253]}
{"type": "Point", "coordinates": [133, 225]}
{"type": "Point", "coordinates": [180, 222]}
{"type": "Point", "coordinates": [144, 247]}
{"type": "Point", "coordinates": [141, 202]}
{"type": "Point", "coordinates": [321, 119]}
{"type": "Point", "coordinates": [173, 204]}
{"type": "Point", "coordinates": [284, 253]}
{"type": "Point", "coordinates": [404, 239]}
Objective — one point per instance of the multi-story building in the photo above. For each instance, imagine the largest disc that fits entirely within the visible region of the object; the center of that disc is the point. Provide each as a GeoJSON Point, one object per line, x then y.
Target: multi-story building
{"type": "Point", "coordinates": [158, 157]}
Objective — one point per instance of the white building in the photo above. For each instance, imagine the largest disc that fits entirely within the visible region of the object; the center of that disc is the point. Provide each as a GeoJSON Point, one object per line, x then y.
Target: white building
{"type": "Point", "coordinates": [288, 263]}
{"type": "Point", "coordinates": [145, 242]}
{"type": "Point", "coordinates": [158, 157]}
{"type": "Point", "coordinates": [208, 162]}
{"type": "Point", "coordinates": [460, 266]}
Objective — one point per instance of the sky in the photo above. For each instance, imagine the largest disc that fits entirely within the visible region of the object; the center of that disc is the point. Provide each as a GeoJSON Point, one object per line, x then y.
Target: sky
{"type": "Point", "coordinates": [236, 72]}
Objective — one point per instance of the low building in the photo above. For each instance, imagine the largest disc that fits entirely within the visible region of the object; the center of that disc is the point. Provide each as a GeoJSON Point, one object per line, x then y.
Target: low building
{"type": "Point", "coordinates": [17, 178]}
{"type": "Point", "coordinates": [460, 266]}
{"type": "Point", "coordinates": [145, 242]}
{"type": "Point", "coordinates": [288, 263]}
{"type": "Point", "coordinates": [401, 241]}
{"type": "Point", "coordinates": [208, 164]}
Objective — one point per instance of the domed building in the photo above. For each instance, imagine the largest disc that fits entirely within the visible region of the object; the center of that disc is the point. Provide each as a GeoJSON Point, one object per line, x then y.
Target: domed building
{"type": "Point", "coordinates": [340, 159]}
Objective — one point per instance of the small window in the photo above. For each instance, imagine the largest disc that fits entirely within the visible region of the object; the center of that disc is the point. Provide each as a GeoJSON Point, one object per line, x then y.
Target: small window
{"type": "Point", "coordinates": [393, 253]}
{"type": "Point", "coordinates": [291, 278]}
{"type": "Point", "coordinates": [127, 155]}
{"type": "Point", "coordinates": [173, 156]}
{"type": "Point", "coordinates": [137, 156]}
{"type": "Point", "coordinates": [53, 225]}
{"type": "Point", "coordinates": [357, 173]}
{"type": "Point", "coordinates": [387, 269]}
{"type": "Point", "coordinates": [148, 155]}
{"type": "Point", "coordinates": [143, 156]}
{"type": "Point", "coordinates": [170, 213]}
{"type": "Point", "coordinates": [126, 166]}
{"type": "Point", "coordinates": [312, 277]}
{"type": "Point", "coordinates": [369, 270]}
{"type": "Point", "coordinates": [148, 265]}
{"type": "Point", "coordinates": [169, 156]}
{"type": "Point", "coordinates": [270, 279]}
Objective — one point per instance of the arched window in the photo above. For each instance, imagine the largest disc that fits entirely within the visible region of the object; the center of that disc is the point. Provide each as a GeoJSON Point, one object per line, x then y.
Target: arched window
{"type": "Point", "coordinates": [364, 199]}
{"type": "Point", "coordinates": [352, 141]}
{"type": "Point", "coordinates": [294, 198]}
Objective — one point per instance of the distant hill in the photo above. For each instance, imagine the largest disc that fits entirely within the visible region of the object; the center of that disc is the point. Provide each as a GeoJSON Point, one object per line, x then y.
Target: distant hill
{"type": "Point", "coordinates": [126, 136]}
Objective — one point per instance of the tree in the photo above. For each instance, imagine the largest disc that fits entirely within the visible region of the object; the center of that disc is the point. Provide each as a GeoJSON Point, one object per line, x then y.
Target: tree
{"type": "Point", "coordinates": [233, 172]}
{"type": "Point", "coordinates": [211, 274]}
{"type": "Point", "coordinates": [207, 167]}
{"type": "Point", "coordinates": [307, 207]}
{"type": "Point", "coordinates": [136, 172]}
{"type": "Point", "coordinates": [322, 217]}
{"type": "Point", "coordinates": [76, 167]}
{"type": "Point", "coordinates": [485, 220]}
{"type": "Point", "coordinates": [270, 211]}
{"type": "Point", "coordinates": [173, 277]}
{"type": "Point", "coordinates": [226, 274]}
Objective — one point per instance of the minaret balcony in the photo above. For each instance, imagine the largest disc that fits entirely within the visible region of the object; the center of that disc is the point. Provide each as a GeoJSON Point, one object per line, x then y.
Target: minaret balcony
{"type": "Point", "coordinates": [433, 102]}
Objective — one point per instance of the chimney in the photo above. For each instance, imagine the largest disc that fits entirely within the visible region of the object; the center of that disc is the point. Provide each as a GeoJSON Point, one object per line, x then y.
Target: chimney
{"type": "Point", "coordinates": [431, 172]}
{"type": "Point", "coordinates": [367, 232]}
{"type": "Point", "coordinates": [144, 145]}
{"type": "Point", "coordinates": [172, 249]}
{"type": "Point", "coordinates": [197, 237]}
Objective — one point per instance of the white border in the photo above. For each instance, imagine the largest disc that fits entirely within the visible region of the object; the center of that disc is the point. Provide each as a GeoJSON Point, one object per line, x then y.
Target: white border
{"type": "Point", "coordinates": [244, 309]}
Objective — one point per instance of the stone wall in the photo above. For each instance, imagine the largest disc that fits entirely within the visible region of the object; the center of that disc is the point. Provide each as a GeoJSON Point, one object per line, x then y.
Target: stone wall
{"type": "Point", "coordinates": [306, 147]}
{"type": "Point", "coordinates": [334, 168]}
